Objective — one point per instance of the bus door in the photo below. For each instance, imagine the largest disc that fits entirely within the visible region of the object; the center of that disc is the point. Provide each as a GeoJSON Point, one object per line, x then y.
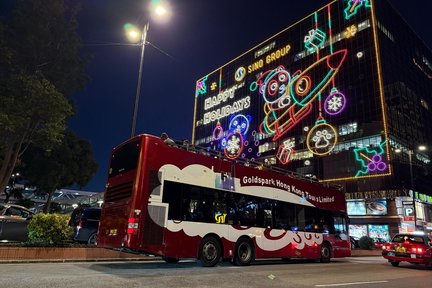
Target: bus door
{"type": "Point", "coordinates": [342, 242]}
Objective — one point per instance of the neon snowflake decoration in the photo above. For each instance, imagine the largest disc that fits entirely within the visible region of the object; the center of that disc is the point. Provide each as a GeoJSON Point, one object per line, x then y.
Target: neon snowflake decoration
{"type": "Point", "coordinates": [334, 103]}
{"type": "Point", "coordinates": [234, 145]}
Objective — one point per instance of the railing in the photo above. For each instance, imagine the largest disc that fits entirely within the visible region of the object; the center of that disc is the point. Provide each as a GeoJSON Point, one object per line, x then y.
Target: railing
{"type": "Point", "coordinates": [185, 145]}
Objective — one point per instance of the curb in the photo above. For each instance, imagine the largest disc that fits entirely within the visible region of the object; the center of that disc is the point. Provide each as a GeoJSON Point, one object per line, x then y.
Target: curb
{"type": "Point", "coordinates": [30, 261]}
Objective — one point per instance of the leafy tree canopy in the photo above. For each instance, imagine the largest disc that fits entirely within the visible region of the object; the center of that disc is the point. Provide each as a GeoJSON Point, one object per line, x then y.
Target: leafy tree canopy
{"type": "Point", "coordinates": [67, 164]}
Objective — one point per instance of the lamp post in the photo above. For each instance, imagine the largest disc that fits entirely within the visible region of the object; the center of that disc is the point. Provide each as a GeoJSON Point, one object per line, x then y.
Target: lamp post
{"type": "Point", "coordinates": [159, 9]}
{"type": "Point", "coordinates": [138, 88]}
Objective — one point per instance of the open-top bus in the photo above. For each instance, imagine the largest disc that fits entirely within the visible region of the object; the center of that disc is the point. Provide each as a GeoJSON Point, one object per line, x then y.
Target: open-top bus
{"type": "Point", "coordinates": [178, 202]}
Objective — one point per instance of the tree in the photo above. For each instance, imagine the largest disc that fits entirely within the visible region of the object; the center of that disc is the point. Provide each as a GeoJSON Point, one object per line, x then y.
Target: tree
{"type": "Point", "coordinates": [67, 164]}
{"type": "Point", "coordinates": [40, 67]}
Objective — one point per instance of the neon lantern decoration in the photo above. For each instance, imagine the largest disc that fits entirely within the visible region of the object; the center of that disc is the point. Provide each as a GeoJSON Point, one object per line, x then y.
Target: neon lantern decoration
{"type": "Point", "coordinates": [370, 159]}
{"type": "Point", "coordinates": [201, 87]}
{"type": "Point", "coordinates": [218, 131]}
{"type": "Point", "coordinates": [321, 139]}
{"type": "Point", "coordinates": [285, 151]}
{"type": "Point", "coordinates": [354, 6]}
{"type": "Point", "coordinates": [234, 145]}
{"type": "Point", "coordinates": [335, 102]}
{"type": "Point", "coordinates": [239, 123]}
{"type": "Point", "coordinates": [294, 96]}
{"type": "Point", "coordinates": [314, 40]}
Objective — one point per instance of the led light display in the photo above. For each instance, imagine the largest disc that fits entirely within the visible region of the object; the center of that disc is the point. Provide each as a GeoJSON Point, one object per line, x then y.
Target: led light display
{"type": "Point", "coordinates": [287, 98]}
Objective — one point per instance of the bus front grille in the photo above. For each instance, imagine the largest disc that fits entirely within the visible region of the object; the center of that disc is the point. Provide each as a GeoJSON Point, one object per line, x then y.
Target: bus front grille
{"type": "Point", "coordinates": [119, 192]}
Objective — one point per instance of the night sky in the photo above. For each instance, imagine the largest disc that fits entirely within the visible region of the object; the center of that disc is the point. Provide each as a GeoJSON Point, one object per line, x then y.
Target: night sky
{"type": "Point", "coordinates": [201, 36]}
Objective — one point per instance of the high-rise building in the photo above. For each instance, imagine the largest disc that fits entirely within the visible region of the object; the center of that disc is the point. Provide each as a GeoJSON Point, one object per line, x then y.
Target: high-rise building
{"type": "Point", "coordinates": [342, 96]}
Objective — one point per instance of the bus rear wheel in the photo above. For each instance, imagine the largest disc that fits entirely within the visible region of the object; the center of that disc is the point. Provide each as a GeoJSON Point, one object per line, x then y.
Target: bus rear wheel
{"type": "Point", "coordinates": [325, 253]}
{"type": "Point", "coordinates": [244, 252]}
{"type": "Point", "coordinates": [210, 251]}
{"type": "Point", "coordinates": [394, 263]}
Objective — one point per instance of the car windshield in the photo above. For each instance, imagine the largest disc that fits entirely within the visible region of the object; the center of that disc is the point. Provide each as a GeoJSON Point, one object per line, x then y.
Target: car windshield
{"type": "Point", "coordinates": [408, 238]}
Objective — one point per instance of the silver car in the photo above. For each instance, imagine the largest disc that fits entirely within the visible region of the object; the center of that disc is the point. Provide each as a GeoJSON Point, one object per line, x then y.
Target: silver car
{"type": "Point", "coordinates": [13, 222]}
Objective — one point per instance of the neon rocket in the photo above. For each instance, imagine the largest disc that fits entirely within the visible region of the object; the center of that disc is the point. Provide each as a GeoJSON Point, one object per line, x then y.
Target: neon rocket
{"type": "Point", "coordinates": [288, 99]}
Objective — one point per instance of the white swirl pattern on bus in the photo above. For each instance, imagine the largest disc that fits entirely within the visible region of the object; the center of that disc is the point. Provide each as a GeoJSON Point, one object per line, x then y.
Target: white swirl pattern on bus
{"type": "Point", "coordinates": [277, 239]}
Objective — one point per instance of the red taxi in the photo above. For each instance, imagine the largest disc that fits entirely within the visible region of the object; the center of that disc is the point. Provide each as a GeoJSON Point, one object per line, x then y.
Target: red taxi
{"type": "Point", "coordinates": [412, 248]}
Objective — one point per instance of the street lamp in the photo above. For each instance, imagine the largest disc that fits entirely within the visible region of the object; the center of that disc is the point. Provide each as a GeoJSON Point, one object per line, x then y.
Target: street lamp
{"type": "Point", "coordinates": [159, 9]}
{"type": "Point", "coordinates": [410, 152]}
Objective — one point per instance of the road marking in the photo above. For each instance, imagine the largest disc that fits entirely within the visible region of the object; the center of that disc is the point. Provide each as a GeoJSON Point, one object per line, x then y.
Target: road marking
{"type": "Point", "coordinates": [350, 283]}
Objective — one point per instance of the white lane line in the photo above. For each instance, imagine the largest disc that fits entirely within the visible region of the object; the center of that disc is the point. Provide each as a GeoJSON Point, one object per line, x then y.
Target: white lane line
{"type": "Point", "coordinates": [350, 283]}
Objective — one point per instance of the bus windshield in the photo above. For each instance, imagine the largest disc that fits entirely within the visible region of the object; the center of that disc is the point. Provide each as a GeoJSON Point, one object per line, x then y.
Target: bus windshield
{"type": "Point", "coordinates": [124, 159]}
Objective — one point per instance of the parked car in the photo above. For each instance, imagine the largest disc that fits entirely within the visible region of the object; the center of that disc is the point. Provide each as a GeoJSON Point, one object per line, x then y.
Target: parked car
{"type": "Point", "coordinates": [85, 222]}
{"type": "Point", "coordinates": [412, 248]}
{"type": "Point", "coordinates": [379, 242]}
{"type": "Point", "coordinates": [14, 220]}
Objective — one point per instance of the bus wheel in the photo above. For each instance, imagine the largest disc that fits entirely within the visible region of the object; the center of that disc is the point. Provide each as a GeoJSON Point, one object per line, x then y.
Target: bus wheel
{"type": "Point", "coordinates": [244, 252]}
{"type": "Point", "coordinates": [210, 251]}
{"type": "Point", "coordinates": [395, 263]}
{"type": "Point", "coordinates": [325, 253]}
{"type": "Point", "coordinates": [170, 259]}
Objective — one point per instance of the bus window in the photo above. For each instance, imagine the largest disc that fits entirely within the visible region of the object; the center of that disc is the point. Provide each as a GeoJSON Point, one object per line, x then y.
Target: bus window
{"type": "Point", "coordinates": [340, 226]}
{"type": "Point", "coordinates": [173, 196]}
{"type": "Point", "coordinates": [284, 216]}
{"type": "Point", "coordinates": [124, 159]}
{"type": "Point", "coordinates": [247, 210]}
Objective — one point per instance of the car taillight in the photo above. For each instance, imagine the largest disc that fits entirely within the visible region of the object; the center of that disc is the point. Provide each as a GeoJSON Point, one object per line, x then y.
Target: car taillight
{"type": "Point", "coordinates": [417, 250]}
{"type": "Point", "coordinates": [132, 225]}
{"type": "Point", "coordinates": [386, 247]}
{"type": "Point", "coordinates": [79, 226]}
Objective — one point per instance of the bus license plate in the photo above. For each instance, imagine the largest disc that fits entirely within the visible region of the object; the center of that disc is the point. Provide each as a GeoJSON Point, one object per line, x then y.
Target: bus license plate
{"type": "Point", "coordinates": [413, 256]}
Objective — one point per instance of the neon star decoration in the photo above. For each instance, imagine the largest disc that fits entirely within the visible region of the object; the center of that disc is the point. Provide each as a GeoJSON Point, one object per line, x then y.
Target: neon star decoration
{"type": "Point", "coordinates": [285, 151]}
{"type": "Point", "coordinates": [350, 31]}
{"type": "Point", "coordinates": [353, 7]}
{"type": "Point", "coordinates": [335, 103]}
{"type": "Point", "coordinates": [314, 40]}
{"type": "Point", "coordinates": [321, 139]}
{"type": "Point", "coordinates": [370, 159]}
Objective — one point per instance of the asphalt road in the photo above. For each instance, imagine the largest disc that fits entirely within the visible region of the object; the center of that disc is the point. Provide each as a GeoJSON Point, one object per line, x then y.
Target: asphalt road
{"type": "Point", "coordinates": [353, 272]}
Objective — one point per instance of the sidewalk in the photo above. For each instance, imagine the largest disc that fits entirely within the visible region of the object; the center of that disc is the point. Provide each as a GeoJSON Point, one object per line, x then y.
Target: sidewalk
{"type": "Point", "coordinates": [50, 255]}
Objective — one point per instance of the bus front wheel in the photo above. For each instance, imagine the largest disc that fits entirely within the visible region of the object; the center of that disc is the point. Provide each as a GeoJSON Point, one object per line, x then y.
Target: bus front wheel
{"type": "Point", "coordinates": [325, 253]}
{"type": "Point", "coordinates": [210, 251]}
{"type": "Point", "coordinates": [244, 252]}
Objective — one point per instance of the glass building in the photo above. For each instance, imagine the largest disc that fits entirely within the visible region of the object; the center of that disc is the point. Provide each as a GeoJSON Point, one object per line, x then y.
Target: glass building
{"type": "Point", "coordinates": [341, 96]}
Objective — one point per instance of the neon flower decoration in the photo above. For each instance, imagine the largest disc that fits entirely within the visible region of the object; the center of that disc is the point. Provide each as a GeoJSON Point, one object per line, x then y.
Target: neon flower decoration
{"type": "Point", "coordinates": [321, 139]}
{"type": "Point", "coordinates": [314, 40]}
{"type": "Point", "coordinates": [285, 151]}
{"type": "Point", "coordinates": [280, 117]}
{"type": "Point", "coordinates": [218, 131]}
{"type": "Point", "coordinates": [335, 102]}
{"type": "Point", "coordinates": [234, 145]}
{"type": "Point", "coordinates": [370, 159]}
{"type": "Point", "coordinates": [239, 123]}
{"type": "Point", "coordinates": [353, 7]}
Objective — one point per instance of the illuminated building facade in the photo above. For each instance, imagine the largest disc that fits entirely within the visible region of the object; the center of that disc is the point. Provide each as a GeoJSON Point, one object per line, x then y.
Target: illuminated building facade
{"type": "Point", "coordinates": [333, 97]}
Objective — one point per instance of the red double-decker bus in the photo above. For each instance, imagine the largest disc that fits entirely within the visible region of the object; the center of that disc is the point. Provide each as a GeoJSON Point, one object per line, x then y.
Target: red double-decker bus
{"type": "Point", "coordinates": [178, 202]}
